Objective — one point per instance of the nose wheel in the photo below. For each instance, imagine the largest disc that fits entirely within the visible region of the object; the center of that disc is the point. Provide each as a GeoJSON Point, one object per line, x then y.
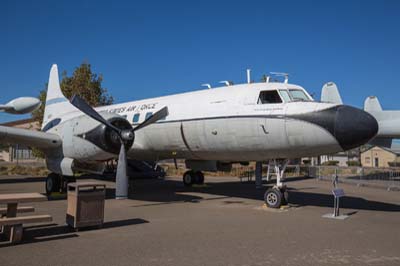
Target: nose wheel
{"type": "Point", "coordinates": [277, 196]}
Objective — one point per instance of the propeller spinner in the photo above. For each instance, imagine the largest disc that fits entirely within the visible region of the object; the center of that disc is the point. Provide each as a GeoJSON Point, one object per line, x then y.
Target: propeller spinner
{"type": "Point", "coordinates": [124, 135]}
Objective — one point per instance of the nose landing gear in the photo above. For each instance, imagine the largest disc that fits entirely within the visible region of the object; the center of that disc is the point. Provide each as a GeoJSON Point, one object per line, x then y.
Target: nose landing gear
{"type": "Point", "coordinates": [277, 196]}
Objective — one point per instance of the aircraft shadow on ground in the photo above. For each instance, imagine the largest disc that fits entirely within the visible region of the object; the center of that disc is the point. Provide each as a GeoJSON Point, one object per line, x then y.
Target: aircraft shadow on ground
{"type": "Point", "coordinates": [49, 232]}
{"type": "Point", "coordinates": [11, 180]}
{"type": "Point", "coordinates": [170, 191]}
{"type": "Point", "coordinates": [32, 179]}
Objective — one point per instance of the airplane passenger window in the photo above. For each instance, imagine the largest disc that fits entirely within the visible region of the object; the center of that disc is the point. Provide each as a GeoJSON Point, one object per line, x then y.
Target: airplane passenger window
{"type": "Point", "coordinates": [136, 118]}
{"type": "Point", "coordinates": [148, 115]}
{"type": "Point", "coordinates": [269, 97]}
{"type": "Point", "coordinates": [299, 95]}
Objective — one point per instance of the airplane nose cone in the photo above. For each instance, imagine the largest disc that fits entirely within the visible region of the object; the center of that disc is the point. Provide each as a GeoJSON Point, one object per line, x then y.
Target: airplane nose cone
{"type": "Point", "coordinates": [354, 127]}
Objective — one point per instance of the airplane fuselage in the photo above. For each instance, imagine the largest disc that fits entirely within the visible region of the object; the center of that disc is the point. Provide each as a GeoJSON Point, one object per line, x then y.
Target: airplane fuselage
{"type": "Point", "coordinates": [226, 124]}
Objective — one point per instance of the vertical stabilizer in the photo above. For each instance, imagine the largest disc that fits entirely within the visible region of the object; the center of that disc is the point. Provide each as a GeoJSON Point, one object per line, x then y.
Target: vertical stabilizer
{"type": "Point", "coordinates": [56, 103]}
{"type": "Point", "coordinates": [330, 93]}
{"type": "Point", "coordinates": [372, 104]}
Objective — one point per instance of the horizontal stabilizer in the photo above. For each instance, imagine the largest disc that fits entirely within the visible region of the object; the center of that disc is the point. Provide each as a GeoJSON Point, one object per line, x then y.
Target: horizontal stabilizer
{"type": "Point", "coordinates": [372, 104]}
{"type": "Point", "coordinates": [330, 93]}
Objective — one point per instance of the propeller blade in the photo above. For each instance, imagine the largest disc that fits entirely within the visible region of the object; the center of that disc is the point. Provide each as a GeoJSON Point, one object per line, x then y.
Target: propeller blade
{"type": "Point", "coordinates": [154, 118]}
{"type": "Point", "coordinates": [84, 107]}
{"type": "Point", "coordinates": [121, 191]}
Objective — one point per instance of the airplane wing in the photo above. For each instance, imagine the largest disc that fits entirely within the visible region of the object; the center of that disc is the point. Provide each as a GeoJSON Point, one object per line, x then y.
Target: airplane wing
{"type": "Point", "coordinates": [29, 138]}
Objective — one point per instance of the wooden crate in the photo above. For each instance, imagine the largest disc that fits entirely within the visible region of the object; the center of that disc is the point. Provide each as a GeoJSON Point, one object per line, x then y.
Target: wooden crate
{"type": "Point", "coordinates": [85, 204]}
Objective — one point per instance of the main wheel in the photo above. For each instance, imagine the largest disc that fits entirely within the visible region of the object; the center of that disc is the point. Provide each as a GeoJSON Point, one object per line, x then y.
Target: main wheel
{"type": "Point", "coordinates": [273, 198]}
{"type": "Point", "coordinates": [53, 183]}
{"type": "Point", "coordinates": [188, 178]}
{"type": "Point", "coordinates": [199, 178]}
{"type": "Point", "coordinates": [65, 180]}
{"type": "Point", "coordinates": [285, 199]}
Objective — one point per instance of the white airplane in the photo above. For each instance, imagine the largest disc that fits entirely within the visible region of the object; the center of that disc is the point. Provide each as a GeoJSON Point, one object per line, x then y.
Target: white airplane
{"type": "Point", "coordinates": [21, 105]}
{"type": "Point", "coordinates": [210, 129]}
{"type": "Point", "coordinates": [388, 120]}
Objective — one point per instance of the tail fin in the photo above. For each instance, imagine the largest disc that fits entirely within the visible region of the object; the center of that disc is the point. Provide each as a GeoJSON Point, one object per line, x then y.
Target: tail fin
{"type": "Point", "coordinates": [330, 93]}
{"type": "Point", "coordinates": [56, 103]}
{"type": "Point", "coordinates": [372, 104]}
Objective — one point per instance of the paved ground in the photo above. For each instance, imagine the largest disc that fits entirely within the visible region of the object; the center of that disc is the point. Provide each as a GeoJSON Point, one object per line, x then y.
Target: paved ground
{"type": "Point", "coordinates": [222, 224]}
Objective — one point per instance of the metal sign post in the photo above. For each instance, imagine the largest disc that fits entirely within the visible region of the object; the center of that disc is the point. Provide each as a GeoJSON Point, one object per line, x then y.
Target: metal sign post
{"type": "Point", "coordinates": [337, 194]}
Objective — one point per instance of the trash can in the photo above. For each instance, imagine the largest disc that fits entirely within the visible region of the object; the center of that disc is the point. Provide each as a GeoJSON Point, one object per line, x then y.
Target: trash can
{"type": "Point", "coordinates": [85, 204]}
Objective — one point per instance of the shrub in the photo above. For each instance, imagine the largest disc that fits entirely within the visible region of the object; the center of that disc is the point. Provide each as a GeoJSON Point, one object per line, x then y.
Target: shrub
{"type": "Point", "coordinates": [331, 163]}
{"type": "Point", "coordinates": [353, 163]}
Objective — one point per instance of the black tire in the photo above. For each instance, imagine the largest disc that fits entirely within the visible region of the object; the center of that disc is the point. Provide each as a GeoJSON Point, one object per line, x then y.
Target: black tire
{"type": "Point", "coordinates": [199, 178]}
{"type": "Point", "coordinates": [52, 183]}
{"type": "Point", "coordinates": [273, 198]}
{"type": "Point", "coordinates": [65, 180]}
{"type": "Point", "coordinates": [188, 178]}
{"type": "Point", "coordinates": [285, 199]}
{"type": "Point", "coordinates": [70, 179]}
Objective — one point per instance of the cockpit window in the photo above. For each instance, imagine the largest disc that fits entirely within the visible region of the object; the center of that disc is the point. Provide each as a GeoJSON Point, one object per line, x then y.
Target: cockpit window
{"type": "Point", "coordinates": [269, 97]}
{"type": "Point", "coordinates": [285, 95]}
{"type": "Point", "coordinates": [294, 95]}
{"type": "Point", "coordinates": [299, 95]}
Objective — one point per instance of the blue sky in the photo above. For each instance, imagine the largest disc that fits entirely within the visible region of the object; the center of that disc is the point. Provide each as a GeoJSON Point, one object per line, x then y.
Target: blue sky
{"type": "Point", "coordinates": [150, 48]}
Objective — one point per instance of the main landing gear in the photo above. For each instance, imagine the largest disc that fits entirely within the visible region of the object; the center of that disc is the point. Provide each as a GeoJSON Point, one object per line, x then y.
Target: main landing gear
{"type": "Point", "coordinates": [277, 196]}
{"type": "Point", "coordinates": [57, 183]}
{"type": "Point", "coordinates": [193, 177]}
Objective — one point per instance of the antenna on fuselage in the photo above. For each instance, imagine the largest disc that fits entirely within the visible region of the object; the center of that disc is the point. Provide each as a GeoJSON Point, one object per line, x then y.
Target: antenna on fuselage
{"type": "Point", "coordinates": [227, 83]}
{"type": "Point", "coordinates": [248, 75]}
{"type": "Point", "coordinates": [281, 74]}
{"type": "Point", "coordinates": [265, 78]}
{"type": "Point", "coordinates": [206, 85]}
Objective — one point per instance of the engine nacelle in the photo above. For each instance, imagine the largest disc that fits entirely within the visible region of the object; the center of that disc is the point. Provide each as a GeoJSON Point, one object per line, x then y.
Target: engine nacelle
{"type": "Point", "coordinates": [106, 138]}
{"type": "Point", "coordinates": [86, 139]}
{"type": "Point", "coordinates": [67, 166]}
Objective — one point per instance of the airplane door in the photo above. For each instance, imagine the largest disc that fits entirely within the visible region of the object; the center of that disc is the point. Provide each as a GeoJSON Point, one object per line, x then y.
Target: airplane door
{"type": "Point", "coordinates": [272, 128]}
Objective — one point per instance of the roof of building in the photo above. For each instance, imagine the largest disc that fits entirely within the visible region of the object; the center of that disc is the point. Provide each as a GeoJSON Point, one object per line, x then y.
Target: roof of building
{"type": "Point", "coordinates": [394, 151]}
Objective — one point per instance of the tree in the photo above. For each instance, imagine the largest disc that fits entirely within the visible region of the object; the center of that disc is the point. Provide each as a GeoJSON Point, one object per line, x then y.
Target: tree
{"type": "Point", "coordinates": [83, 82]}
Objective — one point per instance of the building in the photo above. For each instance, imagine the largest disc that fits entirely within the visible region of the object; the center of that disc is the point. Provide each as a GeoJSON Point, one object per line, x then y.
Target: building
{"type": "Point", "coordinates": [377, 156]}
{"type": "Point", "coordinates": [15, 153]}
{"type": "Point", "coordinates": [342, 158]}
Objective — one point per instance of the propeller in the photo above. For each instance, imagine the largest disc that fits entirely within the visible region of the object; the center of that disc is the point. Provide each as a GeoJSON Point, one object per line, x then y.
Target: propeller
{"type": "Point", "coordinates": [123, 135]}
